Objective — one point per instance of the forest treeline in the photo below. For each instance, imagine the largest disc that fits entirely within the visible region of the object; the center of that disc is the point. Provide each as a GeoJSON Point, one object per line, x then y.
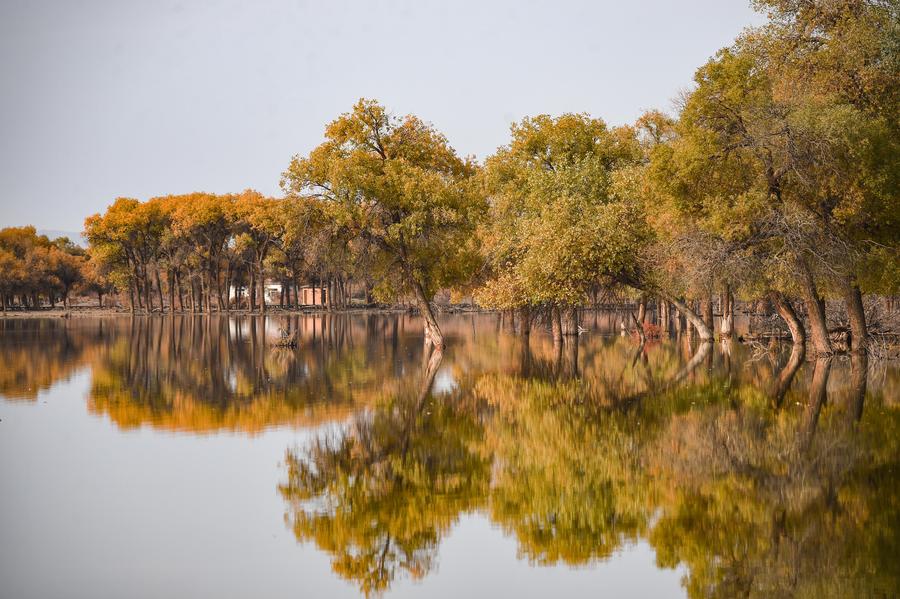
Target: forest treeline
{"type": "Point", "coordinates": [776, 180]}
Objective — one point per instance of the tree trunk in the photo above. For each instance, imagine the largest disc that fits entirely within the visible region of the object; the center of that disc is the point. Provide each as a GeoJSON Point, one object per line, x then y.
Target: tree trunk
{"type": "Point", "coordinates": [148, 290]}
{"type": "Point", "coordinates": [815, 308]}
{"type": "Point", "coordinates": [136, 285]}
{"type": "Point", "coordinates": [525, 320]}
{"type": "Point", "coordinates": [251, 291]}
{"type": "Point", "coordinates": [261, 281]}
{"type": "Point", "coordinates": [159, 290]}
{"type": "Point", "coordinates": [727, 327]}
{"type": "Point", "coordinates": [556, 325]}
{"type": "Point", "coordinates": [570, 320]}
{"type": "Point", "coordinates": [787, 313]}
{"type": "Point", "coordinates": [433, 335]}
{"type": "Point", "coordinates": [665, 315]}
{"type": "Point", "coordinates": [229, 273]}
{"type": "Point", "coordinates": [703, 331]}
{"type": "Point", "coordinates": [220, 301]}
{"type": "Point", "coordinates": [180, 290]}
{"type": "Point", "coordinates": [857, 314]}
{"type": "Point", "coordinates": [99, 300]}
{"type": "Point", "coordinates": [204, 292]}
{"type": "Point", "coordinates": [170, 276]}
{"type": "Point", "coordinates": [642, 308]}
{"type": "Point", "coordinates": [706, 310]}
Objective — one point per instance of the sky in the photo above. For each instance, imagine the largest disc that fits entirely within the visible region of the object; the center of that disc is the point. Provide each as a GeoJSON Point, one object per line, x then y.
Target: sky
{"type": "Point", "coordinates": [134, 98]}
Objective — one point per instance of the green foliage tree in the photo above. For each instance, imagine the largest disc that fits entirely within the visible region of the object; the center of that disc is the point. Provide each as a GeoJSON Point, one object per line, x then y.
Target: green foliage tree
{"type": "Point", "coordinates": [397, 184]}
{"type": "Point", "coordinates": [558, 222]}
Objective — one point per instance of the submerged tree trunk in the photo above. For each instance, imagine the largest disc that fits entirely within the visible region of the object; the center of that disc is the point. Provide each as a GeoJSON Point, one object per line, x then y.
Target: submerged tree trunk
{"type": "Point", "coordinates": [703, 331]}
{"type": "Point", "coordinates": [556, 325]}
{"type": "Point", "coordinates": [159, 289]}
{"type": "Point", "coordinates": [261, 281]}
{"type": "Point", "coordinates": [857, 315]}
{"type": "Point", "coordinates": [170, 276]}
{"type": "Point", "coordinates": [706, 310]}
{"type": "Point", "coordinates": [642, 308]}
{"type": "Point", "coordinates": [787, 313]}
{"type": "Point", "coordinates": [665, 315]}
{"type": "Point", "coordinates": [525, 320]}
{"type": "Point", "coordinates": [815, 308]}
{"type": "Point", "coordinates": [193, 295]}
{"type": "Point", "coordinates": [433, 335]}
{"type": "Point", "coordinates": [570, 320]}
{"type": "Point", "coordinates": [251, 291]}
{"type": "Point", "coordinates": [727, 327]}
{"type": "Point", "coordinates": [180, 291]}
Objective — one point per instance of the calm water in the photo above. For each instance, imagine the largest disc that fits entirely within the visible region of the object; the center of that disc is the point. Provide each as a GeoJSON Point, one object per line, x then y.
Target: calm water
{"type": "Point", "coordinates": [189, 457]}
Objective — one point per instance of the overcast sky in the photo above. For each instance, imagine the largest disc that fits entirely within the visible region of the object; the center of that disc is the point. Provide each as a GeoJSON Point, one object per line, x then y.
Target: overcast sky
{"type": "Point", "coordinates": [102, 99]}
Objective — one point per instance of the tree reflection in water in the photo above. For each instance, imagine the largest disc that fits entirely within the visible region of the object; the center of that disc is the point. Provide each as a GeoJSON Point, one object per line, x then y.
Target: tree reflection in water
{"type": "Point", "coordinates": [759, 482]}
{"type": "Point", "coordinates": [379, 496]}
{"type": "Point", "coordinates": [761, 476]}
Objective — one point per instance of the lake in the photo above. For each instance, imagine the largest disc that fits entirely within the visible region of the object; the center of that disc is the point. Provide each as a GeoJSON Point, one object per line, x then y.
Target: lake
{"type": "Point", "coordinates": [193, 457]}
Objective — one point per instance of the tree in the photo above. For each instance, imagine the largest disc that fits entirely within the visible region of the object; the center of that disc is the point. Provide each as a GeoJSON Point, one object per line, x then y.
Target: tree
{"type": "Point", "coordinates": [68, 270]}
{"type": "Point", "coordinates": [95, 275]}
{"type": "Point", "coordinates": [205, 221]}
{"type": "Point", "coordinates": [260, 225]}
{"type": "Point", "coordinates": [786, 162]}
{"type": "Point", "coordinates": [397, 184]}
{"type": "Point", "coordinates": [557, 223]}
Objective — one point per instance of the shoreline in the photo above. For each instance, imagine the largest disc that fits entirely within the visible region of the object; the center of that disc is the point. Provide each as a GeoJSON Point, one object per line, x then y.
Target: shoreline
{"type": "Point", "coordinates": [93, 312]}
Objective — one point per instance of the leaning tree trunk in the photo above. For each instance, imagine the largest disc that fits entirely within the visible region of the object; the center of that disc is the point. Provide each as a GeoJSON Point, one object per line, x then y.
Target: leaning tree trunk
{"type": "Point", "coordinates": [857, 314]}
{"type": "Point", "coordinates": [787, 313]}
{"type": "Point", "coordinates": [815, 308]}
{"type": "Point", "coordinates": [705, 333]}
{"type": "Point", "coordinates": [433, 334]}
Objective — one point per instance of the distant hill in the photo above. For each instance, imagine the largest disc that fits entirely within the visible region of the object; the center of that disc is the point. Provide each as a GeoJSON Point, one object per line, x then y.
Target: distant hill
{"type": "Point", "coordinates": [74, 236]}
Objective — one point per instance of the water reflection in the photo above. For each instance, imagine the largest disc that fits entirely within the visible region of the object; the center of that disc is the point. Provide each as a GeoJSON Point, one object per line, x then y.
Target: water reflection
{"type": "Point", "coordinates": [759, 487]}
{"type": "Point", "coordinates": [760, 474]}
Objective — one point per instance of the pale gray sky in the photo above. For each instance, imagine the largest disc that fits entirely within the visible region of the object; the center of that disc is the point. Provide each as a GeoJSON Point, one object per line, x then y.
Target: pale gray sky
{"type": "Point", "coordinates": [139, 98]}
